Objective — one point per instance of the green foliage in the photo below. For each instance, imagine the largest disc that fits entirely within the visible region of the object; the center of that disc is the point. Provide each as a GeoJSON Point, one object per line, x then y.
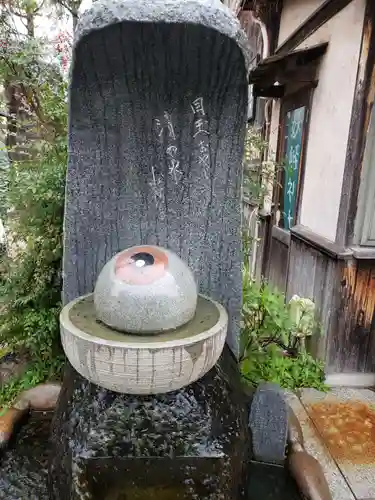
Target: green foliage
{"type": "Point", "coordinates": [31, 286]}
{"type": "Point", "coordinates": [254, 150]}
{"type": "Point", "coordinates": [272, 345]}
{"type": "Point", "coordinates": [260, 170]}
{"type": "Point", "coordinates": [4, 175]}
{"type": "Point", "coordinates": [265, 318]}
{"type": "Point", "coordinates": [289, 372]}
{"type": "Point", "coordinates": [260, 173]}
{"type": "Point", "coordinates": [270, 348]}
{"type": "Point", "coordinates": [27, 67]}
{"type": "Point", "coordinates": [37, 372]}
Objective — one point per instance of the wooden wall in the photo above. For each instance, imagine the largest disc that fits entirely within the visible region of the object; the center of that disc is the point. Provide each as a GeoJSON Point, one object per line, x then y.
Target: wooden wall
{"type": "Point", "coordinates": [257, 226]}
{"type": "Point", "coordinates": [355, 337]}
{"type": "Point", "coordinates": [343, 290]}
{"type": "Point", "coordinates": [341, 286]}
{"type": "Point", "coordinates": [277, 261]}
{"type": "Point", "coordinates": [314, 274]}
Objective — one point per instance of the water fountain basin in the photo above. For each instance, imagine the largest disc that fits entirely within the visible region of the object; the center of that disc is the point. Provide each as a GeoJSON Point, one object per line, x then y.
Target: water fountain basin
{"type": "Point", "coordinates": [142, 364]}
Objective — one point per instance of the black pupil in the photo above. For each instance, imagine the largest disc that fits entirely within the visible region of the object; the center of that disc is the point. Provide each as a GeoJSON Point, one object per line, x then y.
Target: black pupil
{"type": "Point", "coordinates": [147, 258]}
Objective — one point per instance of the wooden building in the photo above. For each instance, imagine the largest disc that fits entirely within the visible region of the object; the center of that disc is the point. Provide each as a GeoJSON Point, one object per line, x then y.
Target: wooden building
{"type": "Point", "coordinates": [318, 230]}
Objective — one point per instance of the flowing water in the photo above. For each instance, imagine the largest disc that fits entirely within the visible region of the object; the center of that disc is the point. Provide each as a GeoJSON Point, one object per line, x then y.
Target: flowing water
{"type": "Point", "coordinates": [23, 473]}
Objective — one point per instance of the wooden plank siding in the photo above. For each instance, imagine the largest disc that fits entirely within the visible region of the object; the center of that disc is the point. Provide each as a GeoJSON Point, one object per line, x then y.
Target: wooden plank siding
{"type": "Point", "coordinates": [263, 243]}
{"type": "Point", "coordinates": [256, 224]}
{"type": "Point", "coordinates": [343, 290]}
{"type": "Point", "coordinates": [313, 274]}
{"type": "Point", "coordinates": [356, 333]}
{"type": "Point", "coordinates": [277, 262]}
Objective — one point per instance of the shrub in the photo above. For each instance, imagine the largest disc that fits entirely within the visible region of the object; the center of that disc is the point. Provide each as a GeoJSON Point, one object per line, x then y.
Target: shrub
{"type": "Point", "coordinates": [271, 350]}
{"type": "Point", "coordinates": [31, 286]}
{"type": "Point", "coordinates": [32, 200]}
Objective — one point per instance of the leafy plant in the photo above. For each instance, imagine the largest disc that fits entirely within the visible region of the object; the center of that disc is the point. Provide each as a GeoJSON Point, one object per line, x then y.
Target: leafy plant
{"type": "Point", "coordinates": [33, 74]}
{"type": "Point", "coordinates": [31, 287]}
{"type": "Point", "coordinates": [302, 313]}
{"type": "Point", "coordinates": [272, 344]}
{"type": "Point", "coordinates": [36, 373]}
{"type": "Point", "coordinates": [260, 172]}
{"type": "Point", "coordinates": [260, 169]}
{"type": "Point", "coordinates": [289, 372]}
{"type": "Point", "coordinates": [265, 319]}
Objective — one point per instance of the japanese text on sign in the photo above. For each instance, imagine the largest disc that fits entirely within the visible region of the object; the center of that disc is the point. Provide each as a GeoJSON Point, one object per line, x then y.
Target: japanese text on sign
{"type": "Point", "coordinates": [293, 147]}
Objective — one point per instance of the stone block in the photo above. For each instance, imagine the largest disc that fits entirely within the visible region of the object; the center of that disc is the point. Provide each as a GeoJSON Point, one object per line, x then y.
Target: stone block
{"type": "Point", "coordinates": [269, 424]}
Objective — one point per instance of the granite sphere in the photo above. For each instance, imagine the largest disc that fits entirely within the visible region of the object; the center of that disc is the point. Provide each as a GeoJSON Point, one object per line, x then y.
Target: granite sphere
{"type": "Point", "coordinates": [144, 290]}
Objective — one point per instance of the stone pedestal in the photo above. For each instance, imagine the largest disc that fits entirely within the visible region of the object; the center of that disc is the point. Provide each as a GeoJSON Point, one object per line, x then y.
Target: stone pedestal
{"type": "Point", "coordinates": [191, 444]}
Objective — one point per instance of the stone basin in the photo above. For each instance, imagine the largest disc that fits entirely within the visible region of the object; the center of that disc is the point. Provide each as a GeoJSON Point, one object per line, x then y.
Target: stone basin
{"type": "Point", "coordinates": [142, 364]}
{"type": "Point", "coordinates": [23, 471]}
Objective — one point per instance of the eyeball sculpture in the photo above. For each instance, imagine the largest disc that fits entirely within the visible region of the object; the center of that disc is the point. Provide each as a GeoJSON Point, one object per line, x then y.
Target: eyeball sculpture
{"type": "Point", "coordinates": [145, 290]}
{"type": "Point", "coordinates": [145, 329]}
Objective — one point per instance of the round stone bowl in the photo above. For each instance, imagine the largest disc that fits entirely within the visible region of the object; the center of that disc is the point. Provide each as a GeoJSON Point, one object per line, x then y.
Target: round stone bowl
{"type": "Point", "coordinates": [146, 364]}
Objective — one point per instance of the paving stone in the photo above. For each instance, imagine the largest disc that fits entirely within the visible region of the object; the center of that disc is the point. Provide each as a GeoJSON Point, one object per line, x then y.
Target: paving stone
{"type": "Point", "coordinates": [349, 434]}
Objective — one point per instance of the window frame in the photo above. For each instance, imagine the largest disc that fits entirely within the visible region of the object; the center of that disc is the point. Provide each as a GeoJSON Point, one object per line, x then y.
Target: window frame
{"type": "Point", "coordinates": [289, 103]}
{"type": "Point", "coordinates": [365, 217]}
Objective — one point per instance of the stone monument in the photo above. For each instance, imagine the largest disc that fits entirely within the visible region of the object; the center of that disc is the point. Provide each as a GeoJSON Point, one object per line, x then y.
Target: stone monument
{"type": "Point", "coordinates": [151, 405]}
{"type": "Point", "coordinates": [158, 104]}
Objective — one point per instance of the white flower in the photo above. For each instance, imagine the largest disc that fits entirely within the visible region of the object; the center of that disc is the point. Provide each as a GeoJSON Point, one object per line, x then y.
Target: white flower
{"type": "Point", "coordinates": [302, 313]}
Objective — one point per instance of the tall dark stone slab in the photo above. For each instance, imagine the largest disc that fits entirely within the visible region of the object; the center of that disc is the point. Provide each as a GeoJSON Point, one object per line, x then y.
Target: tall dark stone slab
{"type": "Point", "coordinates": [158, 102]}
{"type": "Point", "coordinates": [268, 421]}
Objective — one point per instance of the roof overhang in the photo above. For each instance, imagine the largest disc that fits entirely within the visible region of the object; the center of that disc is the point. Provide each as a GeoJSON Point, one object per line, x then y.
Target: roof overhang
{"type": "Point", "coordinates": [270, 75]}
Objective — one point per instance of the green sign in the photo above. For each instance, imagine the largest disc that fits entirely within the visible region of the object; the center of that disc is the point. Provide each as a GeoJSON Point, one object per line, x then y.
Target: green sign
{"type": "Point", "coordinates": [293, 153]}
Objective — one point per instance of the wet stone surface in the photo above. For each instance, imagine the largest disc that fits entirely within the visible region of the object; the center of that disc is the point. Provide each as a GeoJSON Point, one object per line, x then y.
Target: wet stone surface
{"type": "Point", "coordinates": [271, 482]}
{"type": "Point", "coordinates": [204, 426]}
{"type": "Point", "coordinates": [268, 421]}
{"type": "Point", "coordinates": [23, 473]}
{"type": "Point", "coordinates": [24, 465]}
